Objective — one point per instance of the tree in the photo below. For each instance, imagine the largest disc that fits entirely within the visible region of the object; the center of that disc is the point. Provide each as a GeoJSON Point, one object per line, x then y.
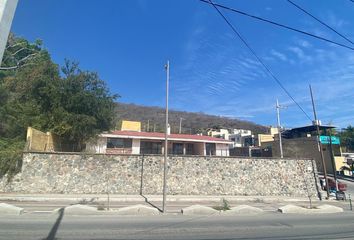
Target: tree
{"type": "Point", "coordinates": [76, 106]}
{"type": "Point", "coordinates": [23, 64]}
{"type": "Point", "coordinates": [19, 53]}
{"type": "Point", "coordinates": [83, 106]}
{"type": "Point", "coordinates": [347, 138]}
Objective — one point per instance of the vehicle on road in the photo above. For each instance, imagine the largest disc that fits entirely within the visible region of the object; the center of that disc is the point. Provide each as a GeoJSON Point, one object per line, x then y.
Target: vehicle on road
{"type": "Point", "coordinates": [342, 187]}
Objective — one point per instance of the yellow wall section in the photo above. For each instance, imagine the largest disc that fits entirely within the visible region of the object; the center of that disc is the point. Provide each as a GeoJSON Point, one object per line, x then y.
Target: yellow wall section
{"type": "Point", "coordinates": [131, 126]}
{"type": "Point", "coordinates": [40, 141]}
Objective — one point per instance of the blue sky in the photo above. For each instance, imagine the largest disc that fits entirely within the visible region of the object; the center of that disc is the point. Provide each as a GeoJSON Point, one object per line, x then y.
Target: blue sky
{"type": "Point", "coordinates": [128, 43]}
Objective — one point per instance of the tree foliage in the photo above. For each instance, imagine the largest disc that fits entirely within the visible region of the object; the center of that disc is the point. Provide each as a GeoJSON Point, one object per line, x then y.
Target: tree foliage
{"type": "Point", "coordinates": [347, 138]}
{"type": "Point", "coordinates": [76, 105]}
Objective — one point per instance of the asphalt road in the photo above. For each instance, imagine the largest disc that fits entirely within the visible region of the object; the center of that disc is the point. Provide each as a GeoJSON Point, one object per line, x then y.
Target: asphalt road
{"type": "Point", "coordinates": [266, 226]}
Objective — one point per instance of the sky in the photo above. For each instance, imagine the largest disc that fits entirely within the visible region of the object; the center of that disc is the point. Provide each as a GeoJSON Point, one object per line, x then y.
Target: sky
{"type": "Point", "coordinates": [129, 41]}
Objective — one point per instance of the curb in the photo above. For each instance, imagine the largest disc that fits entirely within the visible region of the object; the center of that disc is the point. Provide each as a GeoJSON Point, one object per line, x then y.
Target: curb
{"type": "Point", "coordinates": [138, 209]}
{"type": "Point", "coordinates": [7, 209]}
{"type": "Point", "coordinates": [243, 210]}
{"type": "Point", "coordinates": [291, 209]}
{"type": "Point", "coordinates": [199, 210]}
{"type": "Point", "coordinates": [78, 209]}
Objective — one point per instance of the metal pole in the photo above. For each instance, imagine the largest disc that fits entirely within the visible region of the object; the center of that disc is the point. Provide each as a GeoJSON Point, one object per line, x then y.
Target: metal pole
{"type": "Point", "coordinates": [319, 143]}
{"type": "Point", "coordinates": [180, 125]}
{"type": "Point", "coordinates": [167, 66]}
{"type": "Point", "coordinates": [279, 130]}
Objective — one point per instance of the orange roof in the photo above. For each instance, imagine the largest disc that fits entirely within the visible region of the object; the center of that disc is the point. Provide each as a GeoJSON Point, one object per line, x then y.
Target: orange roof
{"type": "Point", "coordinates": [157, 135]}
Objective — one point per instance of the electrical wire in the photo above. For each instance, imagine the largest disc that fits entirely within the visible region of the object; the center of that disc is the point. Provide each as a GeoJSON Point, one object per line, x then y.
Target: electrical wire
{"type": "Point", "coordinates": [259, 60]}
{"type": "Point", "coordinates": [318, 20]}
{"type": "Point", "coordinates": [279, 24]}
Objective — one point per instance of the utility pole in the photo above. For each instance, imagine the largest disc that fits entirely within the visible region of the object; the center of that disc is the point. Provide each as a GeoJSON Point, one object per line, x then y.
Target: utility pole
{"type": "Point", "coordinates": [319, 142]}
{"type": "Point", "coordinates": [7, 12]}
{"type": "Point", "coordinates": [164, 190]}
{"type": "Point", "coordinates": [333, 160]}
{"type": "Point", "coordinates": [180, 125]}
{"type": "Point", "coordinates": [277, 106]}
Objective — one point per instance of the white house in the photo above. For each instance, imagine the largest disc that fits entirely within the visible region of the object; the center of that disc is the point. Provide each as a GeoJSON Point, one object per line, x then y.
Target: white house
{"type": "Point", "coordinates": [135, 142]}
{"type": "Point", "coordinates": [238, 137]}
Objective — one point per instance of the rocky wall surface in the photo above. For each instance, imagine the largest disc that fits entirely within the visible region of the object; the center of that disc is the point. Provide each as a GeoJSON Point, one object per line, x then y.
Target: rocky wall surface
{"type": "Point", "coordinates": [187, 175]}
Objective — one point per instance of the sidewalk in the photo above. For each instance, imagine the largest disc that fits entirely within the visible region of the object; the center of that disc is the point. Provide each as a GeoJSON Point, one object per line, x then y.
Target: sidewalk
{"type": "Point", "coordinates": [49, 202]}
{"type": "Point", "coordinates": [138, 198]}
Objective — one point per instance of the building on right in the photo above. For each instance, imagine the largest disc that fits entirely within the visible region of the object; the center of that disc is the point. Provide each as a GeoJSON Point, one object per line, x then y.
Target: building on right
{"type": "Point", "coordinates": [302, 142]}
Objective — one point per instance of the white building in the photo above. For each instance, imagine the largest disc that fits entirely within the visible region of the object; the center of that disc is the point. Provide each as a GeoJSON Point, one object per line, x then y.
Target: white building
{"type": "Point", "coordinates": [134, 142]}
{"type": "Point", "coordinates": [238, 137]}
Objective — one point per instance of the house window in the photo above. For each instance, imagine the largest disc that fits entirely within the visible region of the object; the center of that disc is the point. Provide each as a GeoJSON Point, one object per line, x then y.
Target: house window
{"type": "Point", "coordinates": [177, 148]}
{"type": "Point", "coordinates": [119, 143]}
{"type": "Point", "coordinates": [210, 149]}
{"type": "Point", "coordinates": [189, 149]}
{"type": "Point", "coordinates": [150, 147]}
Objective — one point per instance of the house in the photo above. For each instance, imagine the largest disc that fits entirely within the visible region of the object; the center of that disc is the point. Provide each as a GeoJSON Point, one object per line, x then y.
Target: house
{"type": "Point", "coordinates": [347, 167]}
{"type": "Point", "coordinates": [136, 142]}
{"type": "Point", "coordinates": [241, 138]}
{"type": "Point", "coordinates": [269, 137]}
{"type": "Point", "coordinates": [302, 142]}
{"type": "Point", "coordinates": [238, 137]}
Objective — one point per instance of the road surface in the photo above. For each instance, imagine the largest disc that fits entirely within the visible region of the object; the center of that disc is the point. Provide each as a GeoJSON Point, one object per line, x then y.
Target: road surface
{"type": "Point", "coordinates": [265, 226]}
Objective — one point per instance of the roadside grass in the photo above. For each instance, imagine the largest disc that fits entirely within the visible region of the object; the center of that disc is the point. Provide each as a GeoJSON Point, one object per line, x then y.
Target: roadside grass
{"type": "Point", "coordinates": [224, 206]}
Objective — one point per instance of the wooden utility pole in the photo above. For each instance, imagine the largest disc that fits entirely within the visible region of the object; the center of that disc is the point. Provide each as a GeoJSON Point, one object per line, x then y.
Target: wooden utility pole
{"type": "Point", "coordinates": [333, 159]}
{"type": "Point", "coordinates": [319, 142]}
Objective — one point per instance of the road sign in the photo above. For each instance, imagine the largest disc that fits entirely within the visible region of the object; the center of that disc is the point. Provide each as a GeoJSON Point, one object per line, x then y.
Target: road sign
{"type": "Point", "coordinates": [325, 140]}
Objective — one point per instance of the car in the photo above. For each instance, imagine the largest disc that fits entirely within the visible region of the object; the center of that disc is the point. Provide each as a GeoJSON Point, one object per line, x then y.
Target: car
{"type": "Point", "coordinates": [332, 184]}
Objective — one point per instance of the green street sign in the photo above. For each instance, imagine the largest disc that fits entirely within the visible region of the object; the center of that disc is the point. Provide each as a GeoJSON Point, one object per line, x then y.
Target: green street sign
{"type": "Point", "coordinates": [325, 140]}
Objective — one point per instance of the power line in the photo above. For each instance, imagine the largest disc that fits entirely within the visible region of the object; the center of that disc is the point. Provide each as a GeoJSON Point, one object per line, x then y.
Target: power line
{"type": "Point", "coordinates": [279, 24]}
{"type": "Point", "coordinates": [318, 20]}
{"type": "Point", "coordinates": [259, 60]}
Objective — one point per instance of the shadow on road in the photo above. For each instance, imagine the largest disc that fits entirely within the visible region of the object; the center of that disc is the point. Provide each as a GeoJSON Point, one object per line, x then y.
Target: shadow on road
{"type": "Point", "coordinates": [151, 204]}
{"type": "Point", "coordinates": [53, 231]}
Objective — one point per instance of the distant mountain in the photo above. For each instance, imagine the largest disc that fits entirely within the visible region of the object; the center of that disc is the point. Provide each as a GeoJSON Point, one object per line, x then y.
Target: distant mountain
{"type": "Point", "coordinates": [153, 118]}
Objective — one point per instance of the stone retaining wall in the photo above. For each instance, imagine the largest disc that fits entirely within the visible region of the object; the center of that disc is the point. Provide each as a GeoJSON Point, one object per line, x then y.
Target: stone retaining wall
{"type": "Point", "coordinates": [188, 175]}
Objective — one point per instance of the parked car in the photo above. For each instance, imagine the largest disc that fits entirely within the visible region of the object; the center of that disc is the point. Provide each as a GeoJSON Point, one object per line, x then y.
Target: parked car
{"type": "Point", "coordinates": [332, 184]}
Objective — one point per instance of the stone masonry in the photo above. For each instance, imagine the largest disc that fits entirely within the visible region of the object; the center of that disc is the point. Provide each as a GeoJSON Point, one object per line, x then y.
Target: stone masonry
{"type": "Point", "coordinates": [187, 175]}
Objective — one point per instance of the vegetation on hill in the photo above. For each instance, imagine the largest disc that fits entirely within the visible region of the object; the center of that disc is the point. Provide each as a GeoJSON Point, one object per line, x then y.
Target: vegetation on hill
{"type": "Point", "coordinates": [74, 104]}
{"type": "Point", "coordinates": [153, 118]}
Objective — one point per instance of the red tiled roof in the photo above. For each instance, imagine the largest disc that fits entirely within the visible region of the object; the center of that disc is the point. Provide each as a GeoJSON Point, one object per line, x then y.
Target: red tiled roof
{"type": "Point", "coordinates": [172, 136]}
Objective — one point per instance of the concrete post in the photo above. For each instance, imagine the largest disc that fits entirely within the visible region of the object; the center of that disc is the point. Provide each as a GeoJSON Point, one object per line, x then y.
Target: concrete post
{"type": "Point", "coordinates": [7, 12]}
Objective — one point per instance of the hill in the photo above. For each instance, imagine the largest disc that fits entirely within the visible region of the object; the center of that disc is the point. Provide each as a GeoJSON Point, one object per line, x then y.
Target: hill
{"type": "Point", "coordinates": [153, 118]}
